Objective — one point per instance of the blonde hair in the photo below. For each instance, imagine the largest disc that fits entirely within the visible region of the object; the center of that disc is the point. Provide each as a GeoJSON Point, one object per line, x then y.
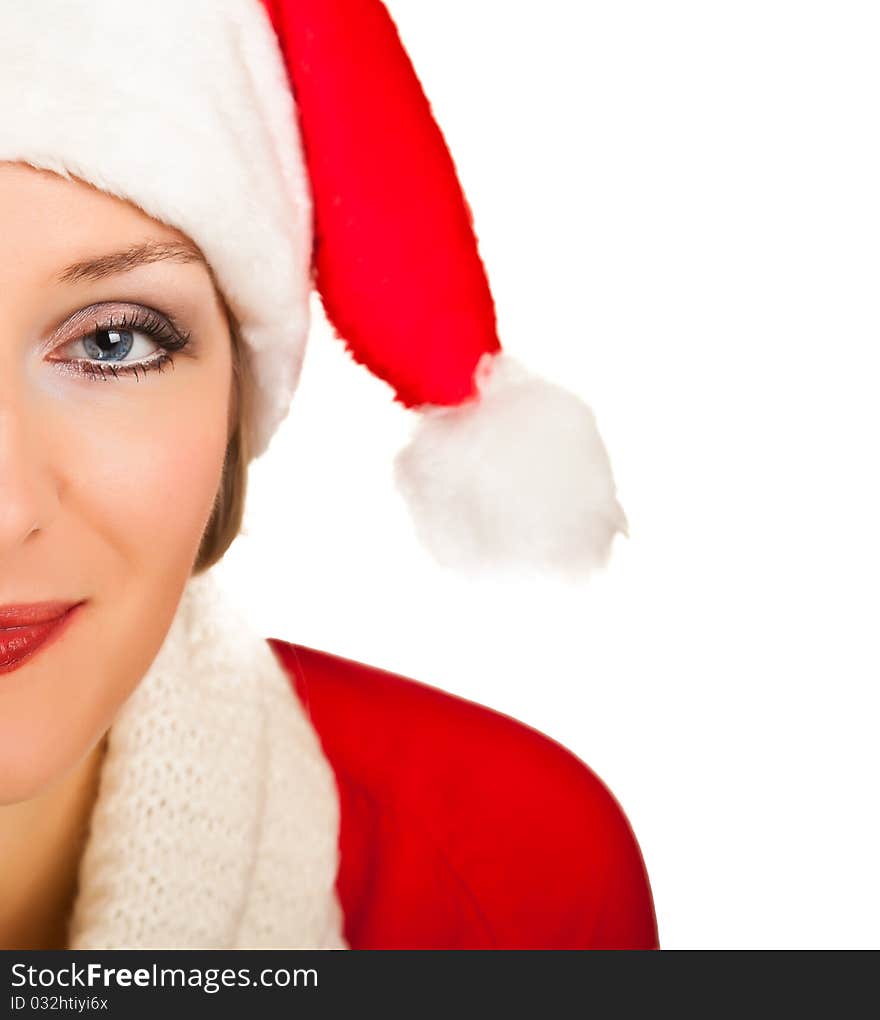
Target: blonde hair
{"type": "Point", "coordinates": [228, 511]}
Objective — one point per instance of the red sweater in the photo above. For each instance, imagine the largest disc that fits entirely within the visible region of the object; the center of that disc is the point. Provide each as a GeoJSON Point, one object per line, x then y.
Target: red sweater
{"type": "Point", "coordinates": [462, 828]}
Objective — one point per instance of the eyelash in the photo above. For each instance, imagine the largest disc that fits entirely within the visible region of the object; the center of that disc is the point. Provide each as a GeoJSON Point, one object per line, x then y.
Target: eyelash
{"type": "Point", "coordinates": [142, 320]}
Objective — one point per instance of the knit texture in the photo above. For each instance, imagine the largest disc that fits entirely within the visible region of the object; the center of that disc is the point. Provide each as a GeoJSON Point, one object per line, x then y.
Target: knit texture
{"type": "Point", "coordinates": [217, 817]}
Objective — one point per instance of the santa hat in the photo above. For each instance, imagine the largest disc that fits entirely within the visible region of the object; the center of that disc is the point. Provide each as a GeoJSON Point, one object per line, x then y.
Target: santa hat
{"type": "Point", "coordinates": [291, 140]}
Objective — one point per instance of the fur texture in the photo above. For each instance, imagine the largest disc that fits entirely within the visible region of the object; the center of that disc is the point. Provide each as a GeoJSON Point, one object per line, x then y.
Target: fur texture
{"type": "Point", "coordinates": [518, 477]}
{"type": "Point", "coordinates": [186, 110]}
{"type": "Point", "coordinates": [182, 107]}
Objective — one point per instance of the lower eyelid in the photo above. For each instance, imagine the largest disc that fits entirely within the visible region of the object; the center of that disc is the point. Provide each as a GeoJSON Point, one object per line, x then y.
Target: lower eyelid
{"type": "Point", "coordinates": [108, 370]}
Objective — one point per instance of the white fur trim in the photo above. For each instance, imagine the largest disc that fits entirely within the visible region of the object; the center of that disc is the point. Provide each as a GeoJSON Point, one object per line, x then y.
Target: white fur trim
{"type": "Point", "coordinates": [182, 107]}
{"type": "Point", "coordinates": [217, 819]}
{"type": "Point", "coordinates": [517, 477]}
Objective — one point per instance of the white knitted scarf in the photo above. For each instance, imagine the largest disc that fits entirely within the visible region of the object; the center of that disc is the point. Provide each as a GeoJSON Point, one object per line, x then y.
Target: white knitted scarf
{"type": "Point", "coordinates": [217, 816]}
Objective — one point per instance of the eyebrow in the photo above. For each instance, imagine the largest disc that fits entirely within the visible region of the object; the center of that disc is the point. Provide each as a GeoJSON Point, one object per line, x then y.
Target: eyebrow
{"type": "Point", "coordinates": [101, 266]}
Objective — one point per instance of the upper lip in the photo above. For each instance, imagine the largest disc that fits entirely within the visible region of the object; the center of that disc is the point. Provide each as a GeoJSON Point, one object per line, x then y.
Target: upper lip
{"type": "Point", "coordinates": [32, 613]}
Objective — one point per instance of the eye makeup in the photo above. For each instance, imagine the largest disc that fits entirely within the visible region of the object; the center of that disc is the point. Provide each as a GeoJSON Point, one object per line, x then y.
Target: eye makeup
{"type": "Point", "coordinates": [109, 329]}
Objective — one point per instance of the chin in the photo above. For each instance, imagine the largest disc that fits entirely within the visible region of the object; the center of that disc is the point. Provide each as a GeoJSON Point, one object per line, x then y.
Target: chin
{"type": "Point", "coordinates": [24, 777]}
{"type": "Point", "coordinates": [32, 764]}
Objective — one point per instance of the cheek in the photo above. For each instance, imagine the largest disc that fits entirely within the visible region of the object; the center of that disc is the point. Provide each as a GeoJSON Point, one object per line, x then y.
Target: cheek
{"type": "Point", "coordinates": [146, 479]}
{"type": "Point", "coordinates": [137, 474]}
{"type": "Point", "coordinates": [137, 462]}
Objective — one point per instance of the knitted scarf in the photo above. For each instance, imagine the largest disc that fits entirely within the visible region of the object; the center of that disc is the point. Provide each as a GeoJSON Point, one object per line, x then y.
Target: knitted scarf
{"type": "Point", "coordinates": [217, 815]}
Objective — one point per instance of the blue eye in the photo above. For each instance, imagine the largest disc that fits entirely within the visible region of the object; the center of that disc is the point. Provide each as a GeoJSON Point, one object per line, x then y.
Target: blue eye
{"type": "Point", "coordinates": [108, 346]}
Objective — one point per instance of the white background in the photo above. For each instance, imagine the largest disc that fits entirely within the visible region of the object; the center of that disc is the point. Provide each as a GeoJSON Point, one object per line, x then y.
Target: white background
{"type": "Point", "coordinates": [679, 208]}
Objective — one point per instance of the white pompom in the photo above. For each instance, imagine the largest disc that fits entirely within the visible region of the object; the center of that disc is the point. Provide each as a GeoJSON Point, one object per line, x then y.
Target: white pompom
{"type": "Point", "coordinates": [516, 478]}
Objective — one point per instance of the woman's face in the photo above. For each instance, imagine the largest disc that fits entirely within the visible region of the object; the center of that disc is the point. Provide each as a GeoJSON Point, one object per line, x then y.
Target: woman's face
{"type": "Point", "coordinates": [113, 431]}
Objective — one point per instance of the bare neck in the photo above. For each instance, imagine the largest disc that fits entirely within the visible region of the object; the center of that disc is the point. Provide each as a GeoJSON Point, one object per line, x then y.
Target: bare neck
{"type": "Point", "coordinates": [41, 844]}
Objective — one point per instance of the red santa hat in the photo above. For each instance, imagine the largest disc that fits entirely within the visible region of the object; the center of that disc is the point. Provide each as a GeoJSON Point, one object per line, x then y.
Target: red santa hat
{"type": "Point", "coordinates": [292, 141]}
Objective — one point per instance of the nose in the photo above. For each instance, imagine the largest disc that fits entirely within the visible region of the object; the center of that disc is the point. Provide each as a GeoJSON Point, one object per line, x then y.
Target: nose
{"type": "Point", "coordinates": [28, 498]}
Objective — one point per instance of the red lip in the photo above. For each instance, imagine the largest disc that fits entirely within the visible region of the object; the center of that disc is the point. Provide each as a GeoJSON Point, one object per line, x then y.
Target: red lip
{"type": "Point", "coordinates": [33, 612]}
{"type": "Point", "coordinates": [26, 630]}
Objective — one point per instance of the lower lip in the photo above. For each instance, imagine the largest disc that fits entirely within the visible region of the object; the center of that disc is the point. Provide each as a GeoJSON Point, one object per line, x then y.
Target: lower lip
{"type": "Point", "coordinates": [20, 645]}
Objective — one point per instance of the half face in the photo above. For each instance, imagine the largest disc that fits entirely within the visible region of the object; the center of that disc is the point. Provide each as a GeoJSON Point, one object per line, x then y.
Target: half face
{"type": "Point", "coordinates": [115, 376]}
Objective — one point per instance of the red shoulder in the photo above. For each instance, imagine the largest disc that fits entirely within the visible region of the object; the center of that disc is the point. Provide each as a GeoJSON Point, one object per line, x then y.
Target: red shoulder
{"type": "Point", "coordinates": [463, 827]}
